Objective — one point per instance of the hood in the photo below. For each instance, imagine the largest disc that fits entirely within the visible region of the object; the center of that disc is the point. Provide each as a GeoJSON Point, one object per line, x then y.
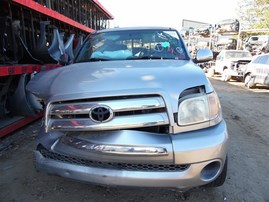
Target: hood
{"type": "Point", "coordinates": [114, 78]}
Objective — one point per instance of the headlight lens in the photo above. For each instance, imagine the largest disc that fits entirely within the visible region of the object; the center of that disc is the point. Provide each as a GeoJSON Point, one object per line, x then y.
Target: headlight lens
{"type": "Point", "coordinates": [199, 109]}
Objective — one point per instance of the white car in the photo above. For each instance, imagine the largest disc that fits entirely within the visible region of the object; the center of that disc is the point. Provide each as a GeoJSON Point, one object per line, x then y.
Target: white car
{"type": "Point", "coordinates": [257, 71]}
{"type": "Point", "coordinates": [231, 63]}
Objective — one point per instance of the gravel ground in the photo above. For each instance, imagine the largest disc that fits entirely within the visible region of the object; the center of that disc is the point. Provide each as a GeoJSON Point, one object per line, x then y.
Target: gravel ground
{"type": "Point", "coordinates": [247, 115]}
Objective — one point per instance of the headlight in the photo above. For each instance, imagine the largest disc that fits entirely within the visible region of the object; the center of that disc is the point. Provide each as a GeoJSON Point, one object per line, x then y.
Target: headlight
{"type": "Point", "coordinates": [233, 65]}
{"type": "Point", "coordinates": [196, 109]}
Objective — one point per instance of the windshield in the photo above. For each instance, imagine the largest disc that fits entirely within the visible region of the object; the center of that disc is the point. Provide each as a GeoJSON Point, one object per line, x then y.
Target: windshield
{"type": "Point", "coordinates": [133, 45]}
{"type": "Point", "coordinates": [237, 54]}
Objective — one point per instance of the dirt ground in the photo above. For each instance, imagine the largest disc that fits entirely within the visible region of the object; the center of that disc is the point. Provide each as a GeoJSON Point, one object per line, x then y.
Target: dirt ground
{"type": "Point", "coordinates": [247, 115]}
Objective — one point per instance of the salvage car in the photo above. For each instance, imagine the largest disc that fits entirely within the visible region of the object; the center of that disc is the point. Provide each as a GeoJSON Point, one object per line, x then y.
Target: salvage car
{"type": "Point", "coordinates": [257, 71]}
{"type": "Point", "coordinates": [257, 44]}
{"type": "Point", "coordinates": [228, 26]}
{"type": "Point", "coordinates": [231, 64]}
{"type": "Point", "coordinates": [132, 110]}
{"type": "Point", "coordinates": [226, 43]}
{"type": "Point", "coordinates": [203, 31]}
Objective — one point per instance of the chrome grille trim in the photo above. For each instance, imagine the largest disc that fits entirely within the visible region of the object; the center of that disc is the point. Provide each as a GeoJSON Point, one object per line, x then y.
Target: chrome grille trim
{"type": "Point", "coordinates": [115, 105]}
{"type": "Point", "coordinates": [114, 149]}
{"type": "Point", "coordinates": [122, 122]}
{"type": "Point", "coordinates": [127, 113]}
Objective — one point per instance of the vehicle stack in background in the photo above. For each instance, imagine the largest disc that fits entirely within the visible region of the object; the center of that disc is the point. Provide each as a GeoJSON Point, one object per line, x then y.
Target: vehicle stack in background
{"type": "Point", "coordinates": [218, 37]}
{"type": "Point", "coordinates": [224, 35]}
{"type": "Point", "coordinates": [228, 41]}
{"type": "Point", "coordinates": [39, 36]}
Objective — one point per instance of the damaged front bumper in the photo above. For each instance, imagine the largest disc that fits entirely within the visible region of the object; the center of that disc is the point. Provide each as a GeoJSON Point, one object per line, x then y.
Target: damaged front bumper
{"type": "Point", "coordinates": [135, 158]}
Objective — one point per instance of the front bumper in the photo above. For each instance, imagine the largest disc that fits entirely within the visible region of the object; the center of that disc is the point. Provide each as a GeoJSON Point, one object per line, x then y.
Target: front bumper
{"type": "Point", "coordinates": [236, 73]}
{"type": "Point", "coordinates": [196, 151]}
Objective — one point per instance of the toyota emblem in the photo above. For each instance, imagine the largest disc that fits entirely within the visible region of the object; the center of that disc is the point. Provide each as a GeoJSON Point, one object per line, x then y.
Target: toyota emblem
{"type": "Point", "coordinates": [101, 113]}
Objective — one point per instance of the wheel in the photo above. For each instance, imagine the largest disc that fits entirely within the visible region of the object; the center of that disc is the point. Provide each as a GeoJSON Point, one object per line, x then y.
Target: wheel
{"type": "Point", "coordinates": [221, 178]}
{"type": "Point", "coordinates": [249, 81]}
{"type": "Point", "coordinates": [225, 75]}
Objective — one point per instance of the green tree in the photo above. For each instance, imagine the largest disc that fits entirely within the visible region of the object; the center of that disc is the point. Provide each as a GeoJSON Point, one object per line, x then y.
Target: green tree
{"type": "Point", "coordinates": [246, 13]}
{"type": "Point", "coordinates": [262, 11]}
{"type": "Point", "coordinates": [253, 14]}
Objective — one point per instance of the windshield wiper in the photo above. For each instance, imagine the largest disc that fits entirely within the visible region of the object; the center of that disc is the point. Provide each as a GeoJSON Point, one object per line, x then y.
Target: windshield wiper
{"type": "Point", "coordinates": [98, 59]}
{"type": "Point", "coordinates": [91, 60]}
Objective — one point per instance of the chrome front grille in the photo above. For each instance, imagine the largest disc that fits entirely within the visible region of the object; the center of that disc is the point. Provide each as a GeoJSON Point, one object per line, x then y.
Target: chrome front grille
{"type": "Point", "coordinates": [112, 165]}
{"type": "Point", "coordinates": [128, 113]}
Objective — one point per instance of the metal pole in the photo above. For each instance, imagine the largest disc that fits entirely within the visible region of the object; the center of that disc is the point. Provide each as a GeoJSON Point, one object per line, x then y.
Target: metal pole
{"type": "Point", "coordinates": [210, 39]}
{"type": "Point", "coordinates": [238, 39]}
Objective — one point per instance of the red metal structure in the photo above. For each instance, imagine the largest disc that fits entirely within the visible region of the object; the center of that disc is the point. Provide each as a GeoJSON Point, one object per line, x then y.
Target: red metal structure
{"type": "Point", "coordinates": [38, 36]}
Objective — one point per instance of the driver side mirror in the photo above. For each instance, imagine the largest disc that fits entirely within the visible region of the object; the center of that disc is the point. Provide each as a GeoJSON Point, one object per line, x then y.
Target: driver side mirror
{"type": "Point", "coordinates": [203, 55]}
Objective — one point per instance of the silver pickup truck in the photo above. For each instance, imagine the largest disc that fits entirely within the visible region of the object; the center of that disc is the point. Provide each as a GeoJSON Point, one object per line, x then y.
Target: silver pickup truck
{"type": "Point", "coordinates": [132, 110]}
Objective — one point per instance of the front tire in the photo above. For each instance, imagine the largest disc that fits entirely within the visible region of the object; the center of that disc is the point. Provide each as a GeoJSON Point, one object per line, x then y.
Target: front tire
{"type": "Point", "coordinates": [225, 75]}
{"type": "Point", "coordinates": [249, 81]}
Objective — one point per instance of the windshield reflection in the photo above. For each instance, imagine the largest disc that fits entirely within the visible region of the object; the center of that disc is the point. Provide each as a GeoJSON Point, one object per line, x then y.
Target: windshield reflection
{"type": "Point", "coordinates": [133, 45]}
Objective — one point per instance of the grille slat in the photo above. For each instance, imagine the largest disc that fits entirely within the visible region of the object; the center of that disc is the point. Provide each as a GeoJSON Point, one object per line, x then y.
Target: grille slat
{"type": "Point", "coordinates": [113, 165]}
{"type": "Point", "coordinates": [123, 122]}
{"type": "Point", "coordinates": [116, 105]}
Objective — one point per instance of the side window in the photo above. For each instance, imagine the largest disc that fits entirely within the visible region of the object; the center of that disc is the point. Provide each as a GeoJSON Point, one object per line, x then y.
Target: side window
{"type": "Point", "coordinates": [267, 60]}
{"type": "Point", "coordinates": [256, 60]}
{"type": "Point", "coordinates": [263, 59]}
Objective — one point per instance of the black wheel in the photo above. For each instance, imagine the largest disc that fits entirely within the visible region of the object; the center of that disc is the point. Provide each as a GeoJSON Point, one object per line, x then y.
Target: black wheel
{"type": "Point", "coordinates": [219, 181]}
{"type": "Point", "coordinates": [225, 75]}
{"type": "Point", "coordinates": [249, 81]}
